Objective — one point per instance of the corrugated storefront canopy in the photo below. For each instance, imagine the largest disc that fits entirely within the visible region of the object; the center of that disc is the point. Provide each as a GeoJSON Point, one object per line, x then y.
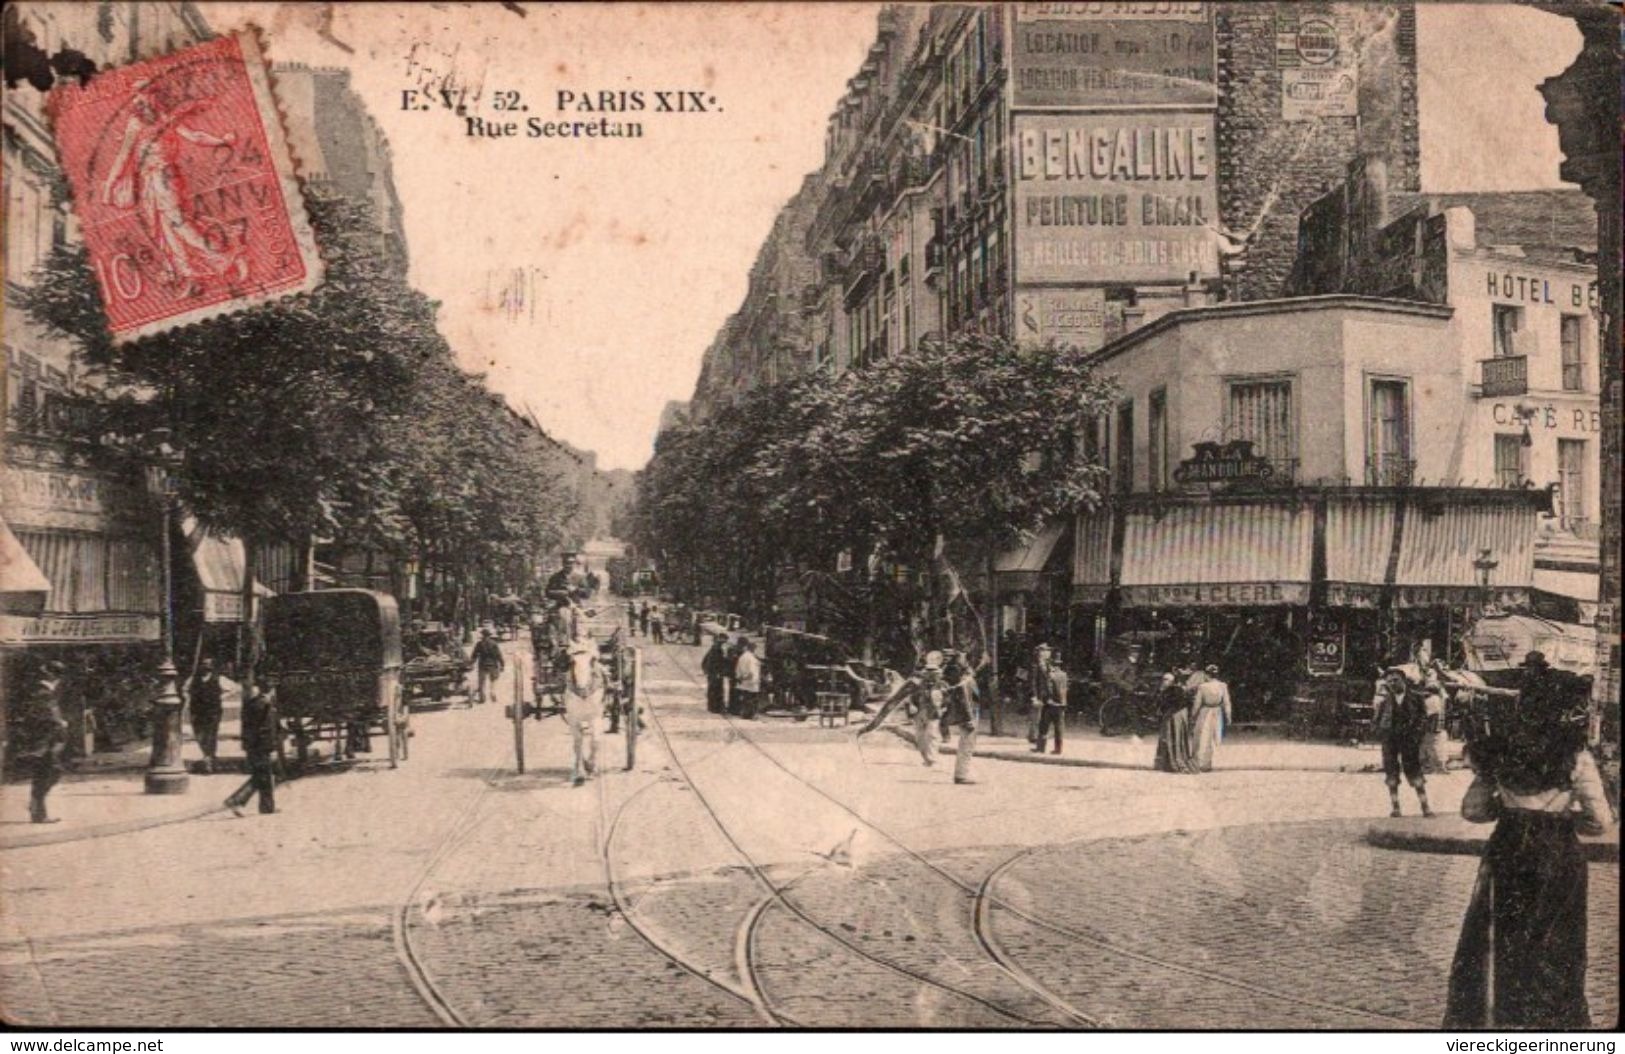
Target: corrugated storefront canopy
{"type": "Point", "coordinates": [23, 586]}
{"type": "Point", "coordinates": [219, 563]}
{"type": "Point", "coordinates": [1092, 557]}
{"type": "Point", "coordinates": [1222, 555]}
{"type": "Point", "coordinates": [1439, 548]}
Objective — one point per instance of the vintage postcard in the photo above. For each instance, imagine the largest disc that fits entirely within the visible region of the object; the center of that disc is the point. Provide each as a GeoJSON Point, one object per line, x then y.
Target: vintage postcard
{"type": "Point", "coordinates": [746, 516]}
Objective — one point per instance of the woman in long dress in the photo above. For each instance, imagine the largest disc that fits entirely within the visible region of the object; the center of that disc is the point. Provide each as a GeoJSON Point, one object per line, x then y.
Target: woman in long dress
{"type": "Point", "coordinates": [1209, 706]}
{"type": "Point", "coordinates": [1521, 959]}
{"type": "Point", "coordinates": [1174, 738]}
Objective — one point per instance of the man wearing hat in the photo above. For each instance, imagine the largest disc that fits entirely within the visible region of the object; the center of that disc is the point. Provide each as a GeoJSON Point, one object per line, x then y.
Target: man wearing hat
{"type": "Point", "coordinates": [747, 678]}
{"type": "Point", "coordinates": [1049, 687]}
{"type": "Point", "coordinates": [927, 696]}
{"type": "Point", "coordinates": [48, 731]}
{"type": "Point", "coordinates": [715, 666]}
{"type": "Point", "coordinates": [488, 665]}
{"type": "Point", "coordinates": [568, 584]}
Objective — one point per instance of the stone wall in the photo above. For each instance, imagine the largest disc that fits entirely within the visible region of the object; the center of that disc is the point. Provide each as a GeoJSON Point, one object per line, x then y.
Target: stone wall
{"type": "Point", "coordinates": [1270, 168]}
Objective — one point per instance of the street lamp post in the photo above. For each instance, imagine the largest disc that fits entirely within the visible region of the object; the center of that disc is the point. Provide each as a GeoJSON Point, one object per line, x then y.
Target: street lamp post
{"type": "Point", "coordinates": [166, 774]}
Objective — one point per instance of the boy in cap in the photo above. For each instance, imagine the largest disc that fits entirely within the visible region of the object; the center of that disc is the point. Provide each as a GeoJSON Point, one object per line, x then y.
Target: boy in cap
{"type": "Point", "coordinates": [49, 732]}
{"type": "Point", "coordinates": [926, 693]}
{"type": "Point", "coordinates": [488, 665]}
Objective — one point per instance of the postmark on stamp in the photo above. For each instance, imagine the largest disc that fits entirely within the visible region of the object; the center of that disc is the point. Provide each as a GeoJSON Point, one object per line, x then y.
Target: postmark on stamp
{"type": "Point", "coordinates": [184, 187]}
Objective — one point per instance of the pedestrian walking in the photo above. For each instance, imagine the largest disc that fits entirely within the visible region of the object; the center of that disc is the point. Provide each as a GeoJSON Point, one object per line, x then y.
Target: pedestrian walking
{"type": "Point", "coordinates": [583, 703]}
{"type": "Point", "coordinates": [961, 713]}
{"type": "Point", "coordinates": [1210, 709]}
{"type": "Point", "coordinates": [1174, 736]}
{"type": "Point", "coordinates": [46, 731]}
{"type": "Point", "coordinates": [715, 666]}
{"type": "Point", "coordinates": [1521, 958]}
{"type": "Point", "coordinates": [925, 695]}
{"type": "Point", "coordinates": [260, 736]}
{"type": "Point", "coordinates": [488, 666]}
{"type": "Point", "coordinates": [206, 703]}
{"type": "Point", "coordinates": [643, 619]}
{"type": "Point", "coordinates": [1049, 688]}
{"type": "Point", "coordinates": [657, 624]}
{"type": "Point", "coordinates": [1400, 721]}
{"type": "Point", "coordinates": [730, 686]}
{"type": "Point", "coordinates": [631, 619]}
{"type": "Point", "coordinates": [748, 679]}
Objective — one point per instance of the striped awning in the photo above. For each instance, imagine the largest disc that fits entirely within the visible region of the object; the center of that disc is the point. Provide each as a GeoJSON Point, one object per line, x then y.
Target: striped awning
{"type": "Point", "coordinates": [1019, 568]}
{"type": "Point", "coordinates": [1439, 548]}
{"type": "Point", "coordinates": [23, 586]}
{"type": "Point", "coordinates": [1092, 557]}
{"type": "Point", "coordinates": [1220, 555]}
{"type": "Point", "coordinates": [219, 564]}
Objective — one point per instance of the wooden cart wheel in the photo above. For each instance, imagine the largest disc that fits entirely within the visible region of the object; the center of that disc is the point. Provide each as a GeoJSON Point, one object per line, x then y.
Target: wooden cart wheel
{"type": "Point", "coordinates": [629, 689]}
{"type": "Point", "coordinates": [519, 721]}
{"type": "Point", "coordinates": [403, 727]}
{"type": "Point", "coordinates": [391, 725]}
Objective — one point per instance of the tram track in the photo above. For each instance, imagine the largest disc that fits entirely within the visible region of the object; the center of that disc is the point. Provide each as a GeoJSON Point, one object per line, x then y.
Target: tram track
{"type": "Point", "coordinates": [985, 900]}
{"type": "Point", "coordinates": [779, 894]}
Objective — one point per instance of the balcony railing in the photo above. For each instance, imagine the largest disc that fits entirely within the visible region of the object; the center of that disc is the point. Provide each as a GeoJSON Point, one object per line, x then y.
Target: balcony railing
{"type": "Point", "coordinates": [1390, 470]}
{"type": "Point", "coordinates": [1504, 375]}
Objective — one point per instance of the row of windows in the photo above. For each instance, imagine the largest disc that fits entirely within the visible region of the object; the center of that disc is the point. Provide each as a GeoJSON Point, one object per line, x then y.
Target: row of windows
{"type": "Point", "coordinates": [1510, 338]}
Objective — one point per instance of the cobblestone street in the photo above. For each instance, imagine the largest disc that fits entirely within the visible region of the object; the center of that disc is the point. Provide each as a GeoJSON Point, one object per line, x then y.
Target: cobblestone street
{"type": "Point", "coordinates": [750, 874]}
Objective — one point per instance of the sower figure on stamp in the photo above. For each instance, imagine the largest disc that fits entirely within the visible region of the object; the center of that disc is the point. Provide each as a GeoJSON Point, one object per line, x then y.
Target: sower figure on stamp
{"type": "Point", "coordinates": [47, 731]}
{"type": "Point", "coordinates": [1400, 720]}
{"type": "Point", "coordinates": [926, 695]}
{"type": "Point", "coordinates": [260, 735]}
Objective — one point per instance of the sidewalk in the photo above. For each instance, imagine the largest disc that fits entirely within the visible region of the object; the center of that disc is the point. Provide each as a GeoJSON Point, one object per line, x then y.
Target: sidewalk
{"type": "Point", "coordinates": [95, 804]}
{"type": "Point", "coordinates": [1241, 751]}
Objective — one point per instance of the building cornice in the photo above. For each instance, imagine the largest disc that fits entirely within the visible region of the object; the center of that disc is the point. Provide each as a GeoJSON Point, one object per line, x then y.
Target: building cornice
{"type": "Point", "coordinates": [1283, 306]}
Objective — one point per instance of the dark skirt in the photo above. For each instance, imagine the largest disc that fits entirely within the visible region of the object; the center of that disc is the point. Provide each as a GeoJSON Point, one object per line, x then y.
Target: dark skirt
{"type": "Point", "coordinates": [1528, 918]}
{"type": "Point", "coordinates": [1174, 742]}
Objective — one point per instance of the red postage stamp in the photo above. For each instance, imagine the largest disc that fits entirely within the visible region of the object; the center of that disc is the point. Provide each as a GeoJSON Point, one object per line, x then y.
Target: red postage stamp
{"type": "Point", "coordinates": [184, 187]}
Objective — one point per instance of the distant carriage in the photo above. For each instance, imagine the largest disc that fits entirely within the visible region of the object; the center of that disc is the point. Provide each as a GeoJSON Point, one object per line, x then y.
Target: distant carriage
{"type": "Point", "coordinates": [334, 660]}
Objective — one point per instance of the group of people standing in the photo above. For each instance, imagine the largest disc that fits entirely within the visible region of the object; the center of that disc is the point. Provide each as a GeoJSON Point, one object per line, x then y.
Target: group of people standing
{"type": "Point", "coordinates": [733, 677]}
{"type": "Point", "coordinates": [1195, 712]}
{"type": "Point", "coordinates": [647, 619]}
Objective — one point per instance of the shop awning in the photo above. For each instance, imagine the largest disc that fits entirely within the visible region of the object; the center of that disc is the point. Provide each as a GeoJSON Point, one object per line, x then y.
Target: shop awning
{"type": "Point", "coordinates": [1576, 585]}
{"type": "Point", "coordinates": [1019, 567]}
{"type": "Point", "coordinates": [1439, 547]}
{"type": "Point", "coordinates": [219, 563]}
{"type": "Point", "coordinates": [1220, 555]}
{"type": "Point", "coordinates": [1359, 545]}
{"type": "Point", "coordinates": [1092, 557]}
{"type": "Point", "coordinates": [1500, 643]}
{"type": "Point", "coordinates": [23, 586]}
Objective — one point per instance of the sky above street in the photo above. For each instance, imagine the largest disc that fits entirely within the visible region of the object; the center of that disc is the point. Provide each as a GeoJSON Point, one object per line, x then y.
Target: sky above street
{"type": "Point", "coordinates": [586, 277]}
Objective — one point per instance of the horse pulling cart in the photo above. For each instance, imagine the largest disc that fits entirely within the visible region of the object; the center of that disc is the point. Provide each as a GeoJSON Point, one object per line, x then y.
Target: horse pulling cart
{"type": "Point", "coordinates": [334, 659]}
{"type": "Point", "coordinates": [619, 662]}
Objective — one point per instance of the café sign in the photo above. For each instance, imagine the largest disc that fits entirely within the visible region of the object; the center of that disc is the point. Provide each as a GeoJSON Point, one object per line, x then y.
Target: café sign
{"type": "Point", "coordinates": [78, 629]}
{"type": "Point", "coordinates": [1218, 594]}
{"type": "Point", "coordinates": [1223, 463]}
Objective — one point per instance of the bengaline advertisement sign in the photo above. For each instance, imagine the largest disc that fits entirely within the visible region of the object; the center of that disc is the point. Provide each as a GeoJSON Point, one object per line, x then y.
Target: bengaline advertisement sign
{"type": "Point", "coordinates": [1114, 198]}
{"type": "Point", "coordinates": [1104, 55]}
